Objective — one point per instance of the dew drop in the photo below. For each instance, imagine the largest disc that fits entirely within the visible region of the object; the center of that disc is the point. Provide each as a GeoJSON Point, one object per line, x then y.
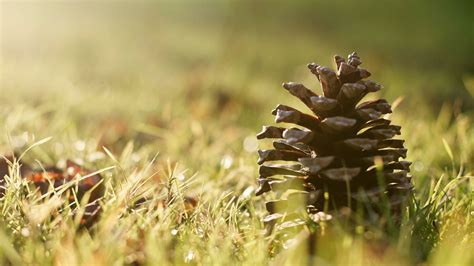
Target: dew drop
{"type": "Point", "coordinates": [189, 257]}
{"type": "Point", "coordinates": [95, 156]}
{"type": "Point", "coordinates": [19, 141]}
{"type": "Point", "coordinates": [227, 161]}
{"type": "Point", "coordinates": [174, 232]}
{"type": "Point", "coordinates": [247, 192]}
{"type": "Point", "coordinates": [135, 157]}
{"type": "Point", "coordinates": [418, 166]}
{"type": "Point", "coordinates": [80, 145]}
{"type": "Point", "coordinates": [180, 177]}
{"type": "Point", "coordinates": [250, 144]}
{"type": "Point", "coordinates": [25, 232]}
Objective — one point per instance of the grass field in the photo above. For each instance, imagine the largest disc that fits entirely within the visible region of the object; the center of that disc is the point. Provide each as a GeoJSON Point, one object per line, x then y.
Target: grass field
{"type": "Point", "coordinates": [165, 99]}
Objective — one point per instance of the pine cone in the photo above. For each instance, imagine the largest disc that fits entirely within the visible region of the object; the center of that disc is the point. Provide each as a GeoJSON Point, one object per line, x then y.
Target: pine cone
{"type": "Point", "coordinates": [43, 178]}
{"type": "Point", "coordinates": [57, 176]}
{"type": "Point", "coordinates": [330, 156]}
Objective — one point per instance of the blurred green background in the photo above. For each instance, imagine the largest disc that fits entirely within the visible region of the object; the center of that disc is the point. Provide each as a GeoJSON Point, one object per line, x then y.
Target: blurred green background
{"type": "Point", "coordinates": [422, 48]}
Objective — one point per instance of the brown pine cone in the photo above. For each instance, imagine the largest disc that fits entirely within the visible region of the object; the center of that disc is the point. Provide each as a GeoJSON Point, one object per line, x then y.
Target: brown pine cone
{"type": "Point", "coordinates": [329, 157]}
{"type": "Point", "coordinates": [73, 171]}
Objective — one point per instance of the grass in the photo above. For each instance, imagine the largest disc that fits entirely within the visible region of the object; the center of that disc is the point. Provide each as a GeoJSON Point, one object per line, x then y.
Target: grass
{"type": "Point", "coordinates": [168, 109]}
